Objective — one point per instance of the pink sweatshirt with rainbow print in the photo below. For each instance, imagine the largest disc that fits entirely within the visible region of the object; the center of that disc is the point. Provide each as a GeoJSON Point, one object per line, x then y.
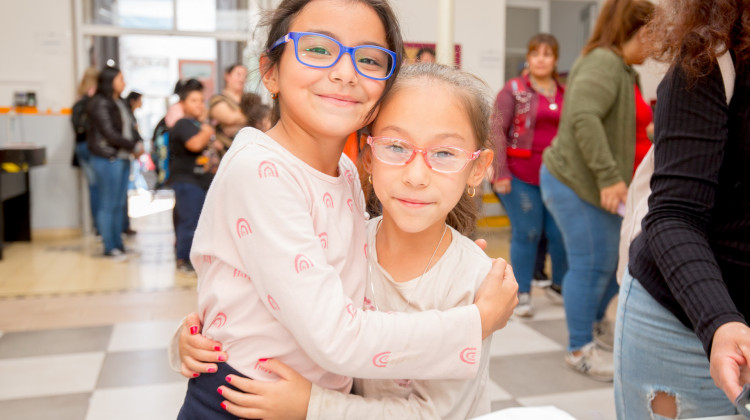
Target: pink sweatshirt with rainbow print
{"type": "Point", "coordinates": [280, 252]}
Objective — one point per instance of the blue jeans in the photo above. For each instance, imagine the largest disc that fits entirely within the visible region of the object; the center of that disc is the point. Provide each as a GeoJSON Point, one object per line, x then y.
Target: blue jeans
{"type": "Point", "coordinates": [112, 184]}
{"type": "Point", "coordinates": [591, 237]}
{"type": "Point", "coordinates": [189, 200]}
{"type": "Point", "coordinates": [655, 352]}
{"type": "Point", "coordinates": [529, 218]}
{"type": "Point", "coordinates": [84, 160]}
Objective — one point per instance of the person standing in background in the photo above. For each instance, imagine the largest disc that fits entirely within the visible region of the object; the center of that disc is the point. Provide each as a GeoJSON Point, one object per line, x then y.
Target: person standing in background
{"type": "Point", "coordinates": [527, 112]}
{"type": "Point", "coordinates": [190, 174]}
{"type": "Point", "coordinates": [425, 55]}
{"type": "Point", "coordinates": [111, 137]}
{"type": "Point", "coordinates": [81, 155]}
{"type": "Point", "coordinates": [682, 342]}
{"type": "Point", "coordinates": [585, 175]}
{"type": "Point", "coordinates": [134, 100]}
{"type": "Point", "coordinates": [224, 109]}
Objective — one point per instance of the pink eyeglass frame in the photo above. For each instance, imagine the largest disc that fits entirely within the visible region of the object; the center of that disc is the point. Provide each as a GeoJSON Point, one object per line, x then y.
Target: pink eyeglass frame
{"type": "Point", "coordinates": [471, 155]}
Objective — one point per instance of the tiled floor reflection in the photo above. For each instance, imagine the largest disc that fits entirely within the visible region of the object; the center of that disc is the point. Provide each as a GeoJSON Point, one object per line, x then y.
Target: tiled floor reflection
{"type": "Point", "coordinates": [74, 264]}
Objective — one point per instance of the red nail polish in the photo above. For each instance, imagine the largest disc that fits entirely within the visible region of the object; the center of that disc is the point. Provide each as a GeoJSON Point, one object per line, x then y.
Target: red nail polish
{"type": "Point", "coordinates": [224, 405]}
{"type": "Point", "coordinates": [217, 348]}
{"type": "Point", "coordinates": [219, 390]}
{"type": "Point", "coordinates": [195, 375]}
{"type": "Point", "coordinates": [220, 358]}
{"type": "Point", "coordinates": [211, 370]}
{"type": "Point", "coordinates": [228, 378]}
{"type": "Point", "coordinates": [263, 360]}
{"type": "Point", "coordinates": [193, 330]}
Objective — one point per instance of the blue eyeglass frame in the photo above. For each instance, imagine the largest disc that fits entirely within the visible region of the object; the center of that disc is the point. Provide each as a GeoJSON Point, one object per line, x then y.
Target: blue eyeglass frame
{"type": "Point", "coordinates": [343, 49]}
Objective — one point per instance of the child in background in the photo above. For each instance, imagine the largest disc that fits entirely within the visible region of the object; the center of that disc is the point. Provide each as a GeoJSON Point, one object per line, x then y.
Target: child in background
{"type": "Point", "coordinates": [280, 248]}
{"type": "Point", "coordinates": [430, 148]}
{"type": "Point", "coordinates": [258, 114]}
{"type": "Point", "coordinates": [190, 173]}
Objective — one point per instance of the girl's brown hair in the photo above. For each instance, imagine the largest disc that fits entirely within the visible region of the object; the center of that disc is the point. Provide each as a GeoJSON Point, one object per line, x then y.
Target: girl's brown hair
{"type": "Point", "coordinates": [280, 19]}
{"type": "Point", "coordinates": [693, 33]}
{"type": "Point", "coordinates": [618, 21]}
{"type": "Point", "coordinates": [473, 94]}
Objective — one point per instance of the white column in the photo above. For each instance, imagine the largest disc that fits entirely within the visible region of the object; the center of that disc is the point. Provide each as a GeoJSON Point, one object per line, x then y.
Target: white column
{"type": "Point", "coordinates": [445, 40]}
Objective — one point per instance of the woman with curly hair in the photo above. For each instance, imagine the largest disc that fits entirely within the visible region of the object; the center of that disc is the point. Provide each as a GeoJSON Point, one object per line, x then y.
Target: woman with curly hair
{"type": "Point", "coordinates": [682, 342]}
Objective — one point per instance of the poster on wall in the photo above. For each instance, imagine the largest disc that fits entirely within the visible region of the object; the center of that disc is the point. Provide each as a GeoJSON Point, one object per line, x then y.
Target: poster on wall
{"type": "Point", "coordinates": [413, 47]}
{"type": "Point", "coordinates": [203, 70]}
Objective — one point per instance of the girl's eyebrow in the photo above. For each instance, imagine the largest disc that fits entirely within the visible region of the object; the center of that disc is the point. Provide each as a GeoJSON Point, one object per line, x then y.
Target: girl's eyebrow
{"type": "Point", "coordinates": [328, 33]}
{"type": "Point", "coordinates": [441, 136]}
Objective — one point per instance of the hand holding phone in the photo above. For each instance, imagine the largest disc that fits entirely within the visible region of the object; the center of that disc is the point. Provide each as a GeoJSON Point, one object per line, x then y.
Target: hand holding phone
{"type": "Point", "coordinates": [743, 401]}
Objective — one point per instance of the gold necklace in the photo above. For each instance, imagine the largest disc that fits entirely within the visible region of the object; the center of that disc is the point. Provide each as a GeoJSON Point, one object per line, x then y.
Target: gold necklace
{"type": "Point", "coordinates": [419, 280]}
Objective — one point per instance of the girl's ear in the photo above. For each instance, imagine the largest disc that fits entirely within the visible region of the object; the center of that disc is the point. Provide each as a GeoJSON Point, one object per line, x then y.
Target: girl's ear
{"type": "Point", "coordinates": [367, 159]}
{"type": "Point", "coordinates": [480, 167]}
{"type": "Point", "coordinates": [269, 74]}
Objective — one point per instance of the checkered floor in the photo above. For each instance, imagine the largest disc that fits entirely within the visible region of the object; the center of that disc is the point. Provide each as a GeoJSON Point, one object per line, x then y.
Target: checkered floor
{"type": "Point", "coordinates": [120, 371]}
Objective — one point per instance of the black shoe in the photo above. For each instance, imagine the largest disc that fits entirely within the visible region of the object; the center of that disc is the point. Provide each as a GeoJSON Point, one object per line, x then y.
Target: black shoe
{"type": "Point", "coordinates": [184, 266]}
{"type": "Point", "coordinates": [129, 232]}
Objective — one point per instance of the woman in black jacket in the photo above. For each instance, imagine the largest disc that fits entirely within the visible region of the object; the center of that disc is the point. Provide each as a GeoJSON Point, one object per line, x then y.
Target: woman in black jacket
{"type": "Point", "coordinates": [111, 138]}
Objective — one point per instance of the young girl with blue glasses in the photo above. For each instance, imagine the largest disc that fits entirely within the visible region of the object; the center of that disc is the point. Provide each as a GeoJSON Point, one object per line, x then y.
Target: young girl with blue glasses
{"type": "Point", "coordinates": [280, 249]}
{"type": "Point", "coordinates": [429, 150]}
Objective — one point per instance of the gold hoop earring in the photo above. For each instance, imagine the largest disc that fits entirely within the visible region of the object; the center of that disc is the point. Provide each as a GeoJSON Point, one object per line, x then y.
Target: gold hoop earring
{"type": "Point", "coordinates": [471, 191]}
{"type": "Point", "coordinates": [274, 95]}
{"type": "Point", "coordinates": [369, 178]}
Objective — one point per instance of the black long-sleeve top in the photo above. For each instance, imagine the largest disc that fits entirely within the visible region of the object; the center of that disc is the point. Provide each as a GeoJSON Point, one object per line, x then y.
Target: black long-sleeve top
{"type": "Point", "coordinates": [693, 255]}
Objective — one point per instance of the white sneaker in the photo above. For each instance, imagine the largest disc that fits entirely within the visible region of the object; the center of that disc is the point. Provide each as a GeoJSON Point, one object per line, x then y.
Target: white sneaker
{"type": "Point", "coordinates": [554, 293]}
{"type": "Point", "coordinates": [592, 362]}
{"type": "Point", "coordinates": [604, 334]}
{"type": "Point", "coordinates": [524, 308]}
{"type": "Point", "coordinates": [116, 255]}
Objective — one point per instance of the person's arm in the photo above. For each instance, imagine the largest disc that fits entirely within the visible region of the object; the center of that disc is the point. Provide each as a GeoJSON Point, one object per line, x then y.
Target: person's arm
{"type": "Point", "coordinates": [501, 121]}
{"type": "Point", "coordinates": [201, 139]}
{"type": "Point", "coordinates": [226, 115]}
{"type": "Point", "coordinates": [294, 397]}
{"type": "Point", "coordinates": [99, 114]}
{"type": "Point", "coordinates": [691, 134]}
{"type": "Point", "coordinates": [289, 270]}
{"type": "Point", "coordinates": [588, 99]}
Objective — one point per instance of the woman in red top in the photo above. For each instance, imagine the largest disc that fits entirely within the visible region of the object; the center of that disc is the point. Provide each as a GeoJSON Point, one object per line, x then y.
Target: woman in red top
{"type": "Point", "coordinates": [527, 112]}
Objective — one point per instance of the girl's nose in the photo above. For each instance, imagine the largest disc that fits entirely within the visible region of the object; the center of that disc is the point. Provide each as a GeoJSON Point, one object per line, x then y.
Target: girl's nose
{"type": "Point", "coordinates": [416, 172]}
{"type": "Point", "coordinates": [343, 71]}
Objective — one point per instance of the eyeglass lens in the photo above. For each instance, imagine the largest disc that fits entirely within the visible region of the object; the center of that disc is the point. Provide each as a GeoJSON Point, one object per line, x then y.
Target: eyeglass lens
{"type": "Point", "coordinates": [398, 152]}
{"type": "Point", "coordinates": [319, 51]}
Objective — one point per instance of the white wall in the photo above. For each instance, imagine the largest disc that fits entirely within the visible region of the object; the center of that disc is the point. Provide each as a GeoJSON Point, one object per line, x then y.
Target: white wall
{"type": "Point", "coordinates": [36, 43]}
{"type": "Point", "coordinates": [479, 29]}
{"type": "Point", "coordinates": [36, 46]}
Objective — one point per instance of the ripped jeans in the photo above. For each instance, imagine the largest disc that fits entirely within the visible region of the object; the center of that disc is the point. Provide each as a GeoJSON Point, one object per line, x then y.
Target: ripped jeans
{"type": "Point", "coordinates": [655, 352]}
{"type": "Point", "coordinates": [529, 219]}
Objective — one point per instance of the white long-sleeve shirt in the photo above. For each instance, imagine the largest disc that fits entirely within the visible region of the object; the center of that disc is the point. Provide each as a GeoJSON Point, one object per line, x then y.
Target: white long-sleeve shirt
{"type": "Point", "coordinates": [451, 282]}
{"type": "Point", "coordinates": [280, 256]}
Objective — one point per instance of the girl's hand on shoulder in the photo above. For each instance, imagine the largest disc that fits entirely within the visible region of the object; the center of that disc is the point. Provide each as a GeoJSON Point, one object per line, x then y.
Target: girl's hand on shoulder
{"type": "Point", "coordinates": [198, 353]}
{"type": "Point", "coordinates": [496, 297]}
{"type": "Point", "coordinates": [286, 398]}
{"type": "Point", "coordinates": [730, 356]}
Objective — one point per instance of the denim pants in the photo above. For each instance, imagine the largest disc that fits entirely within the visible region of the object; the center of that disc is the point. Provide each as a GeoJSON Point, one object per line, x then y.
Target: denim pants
{"type": "Point", "coordinates": [112, 184]}
{"type": "Point", "coordinates": [655, 352]}
{"type": "Point", "coordinates": [591, 236]}
{"type": "Point", "coordinates": [529, 218]}
{"type": "Point", "coordinates": [84, 160]}
{"type": "Point", "coordinates": [189, 200]}
{"type": "Point", "coordinates": [202, 401]}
